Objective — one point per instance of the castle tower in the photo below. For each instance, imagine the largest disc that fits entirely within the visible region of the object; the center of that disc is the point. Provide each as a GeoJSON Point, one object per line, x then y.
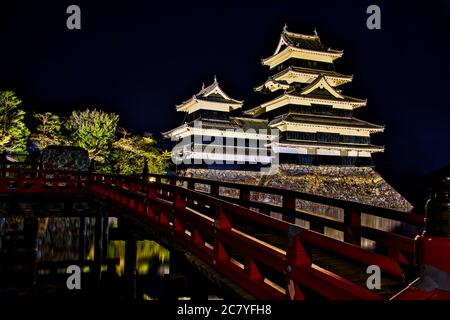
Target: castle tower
{"type": "Point", "coordinates": [212, 138]}
{"type": "Point", "coordinates": [306, 104]}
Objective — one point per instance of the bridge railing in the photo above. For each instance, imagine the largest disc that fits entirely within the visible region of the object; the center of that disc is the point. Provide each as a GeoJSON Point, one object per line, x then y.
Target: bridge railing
{"type": "Point", "coordinates": [211, 228]}
{"type": "Point", "coordinates": [398, 246]}
{"type": "Point", "coordinates": [19, 178]}
{"type": "Point", "coordinates": [206, 214]}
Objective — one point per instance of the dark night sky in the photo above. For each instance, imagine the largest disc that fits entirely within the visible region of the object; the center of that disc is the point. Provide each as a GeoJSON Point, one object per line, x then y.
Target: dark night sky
{"type": "Point", "coordinates": [140, 58]}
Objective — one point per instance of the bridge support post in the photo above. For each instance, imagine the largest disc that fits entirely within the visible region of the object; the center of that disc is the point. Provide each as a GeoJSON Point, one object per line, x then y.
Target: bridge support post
{"type": "Point", "coordinates": [130, 268]}
{"type": "Point", "coordinates": [98, 250]}
{"type": "Point", "coordinates": [31, 234]}
{"type": "Point", "coordinates": [105, 238]}
{"type": "Point", "coordinates": [82, 240]}
{"type": "Point", "coordinates": [173, 282]}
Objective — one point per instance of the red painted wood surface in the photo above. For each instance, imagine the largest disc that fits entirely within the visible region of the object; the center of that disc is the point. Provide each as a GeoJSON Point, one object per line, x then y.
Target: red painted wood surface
{"type": "Point", "coordinates": [203, 225]}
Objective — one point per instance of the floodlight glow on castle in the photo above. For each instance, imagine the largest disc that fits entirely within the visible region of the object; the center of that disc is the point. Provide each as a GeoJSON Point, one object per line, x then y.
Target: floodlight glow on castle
{"type": "Point", "coordinates": [307, 120]}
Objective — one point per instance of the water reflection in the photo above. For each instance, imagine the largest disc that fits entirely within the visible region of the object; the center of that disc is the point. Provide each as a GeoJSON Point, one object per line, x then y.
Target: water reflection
{"type": "Point", "coordinates": [58, 239]}
{"type": "Point", "coordinates": [35, 253]}
{"type": "Point", "coordinates": [150, 256]}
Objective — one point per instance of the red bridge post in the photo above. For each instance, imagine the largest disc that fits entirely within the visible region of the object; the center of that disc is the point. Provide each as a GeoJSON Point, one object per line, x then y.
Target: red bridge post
{"type": "Point", "coordinates": [221, 222]}
{"type": "Point", "coordinates": [296, 256]}
{"type": "Point", "coordinates": [432, 248]}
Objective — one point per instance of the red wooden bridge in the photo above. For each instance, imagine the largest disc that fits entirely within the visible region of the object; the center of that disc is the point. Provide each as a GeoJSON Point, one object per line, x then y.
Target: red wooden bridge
{"type": "Point", "coordinates": [240, 241]}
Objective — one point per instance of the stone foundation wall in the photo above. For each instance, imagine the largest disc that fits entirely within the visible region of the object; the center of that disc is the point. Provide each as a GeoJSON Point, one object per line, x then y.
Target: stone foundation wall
{"type": "Point", "coordinates": [358, 184]}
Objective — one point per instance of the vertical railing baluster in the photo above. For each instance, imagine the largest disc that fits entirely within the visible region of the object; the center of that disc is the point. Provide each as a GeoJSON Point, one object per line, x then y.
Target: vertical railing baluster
{"type": "Point", "coordinates": [296, 256]}
{"type": "Point", "coordinates": [214, 190]}
{"type": "Point", "coordinates": [221, 222]}
{"type": "Point", "coordinates": [190, 186]}
{"type": "Point", "coordinates": [179, 204]}
{"type": "Point", "coordinates": [352, 224]}
{"type": "Point", "coordinates": [244, 197]}
{"type": "Point", "coordinates": [288, 208]}
{"type": "Point", "coordinates": [316, 226]}
{"type": "Point", "coordinates": [179, 201]}
{"type": "Point", "coordinates": [251, 269]}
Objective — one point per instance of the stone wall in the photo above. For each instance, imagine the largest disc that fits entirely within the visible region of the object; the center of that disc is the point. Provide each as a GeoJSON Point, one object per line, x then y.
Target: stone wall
{"type": "Point", "coordinates": [358, 184]}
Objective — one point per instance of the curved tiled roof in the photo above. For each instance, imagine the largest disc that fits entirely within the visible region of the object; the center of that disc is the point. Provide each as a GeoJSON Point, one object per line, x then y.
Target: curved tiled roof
{"type": "Point", "coordinates": [324, 120]}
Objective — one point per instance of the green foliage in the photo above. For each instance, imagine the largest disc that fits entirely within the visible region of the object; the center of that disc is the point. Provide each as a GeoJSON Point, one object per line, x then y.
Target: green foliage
{"type": "Point", "coordinates": [93, 130]}
{"type": "Point", "coordinates": [112, 148]}
{"type": "Point", "coordinates": [132, 151]}
{"type": "Point", "coordinates": [97, 131]}
{"type": "Point", "coordinates": [13, 131]}
{"type": "Point", "coordinates": [49, 124]}
{"type": "Point", "coordinates": [48, 132]}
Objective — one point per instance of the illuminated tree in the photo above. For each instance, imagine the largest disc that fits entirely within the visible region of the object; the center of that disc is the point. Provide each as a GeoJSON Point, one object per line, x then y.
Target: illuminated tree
{"type": "Point", "coordinates": [95, 131]}
{"type": "Point", "coordinates": [132, 151]}
{"type": "Point", "coordinates": [48, 132]}
{"type": "Point", "coordinates": [13, 131]}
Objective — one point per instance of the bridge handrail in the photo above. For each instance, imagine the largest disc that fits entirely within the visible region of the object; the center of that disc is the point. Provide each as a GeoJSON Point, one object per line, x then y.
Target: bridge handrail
{"type": "Point", "coordinates": [398, 246]}
{"type": "Point", "coordinates": [131, 189]}
{"type": "Point", "coordinates": [414, 217]}
{"type": "Point", "coordinates": [351, 227]}
{"type": "Point", "coordinates": [169, 210]}
{"type": "Point", "coordinates": [32, 180]}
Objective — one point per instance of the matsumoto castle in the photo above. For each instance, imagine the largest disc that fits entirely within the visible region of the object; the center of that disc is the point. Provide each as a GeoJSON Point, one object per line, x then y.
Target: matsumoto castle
{"type": "Point", "coordinates": [304, 133]}
{"type": "Point", "coordinates": [305, 119]}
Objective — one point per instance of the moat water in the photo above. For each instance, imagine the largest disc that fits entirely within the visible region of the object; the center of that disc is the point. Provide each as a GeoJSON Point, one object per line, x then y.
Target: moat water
{"type": "Point", "coordinates": [35, 253]}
